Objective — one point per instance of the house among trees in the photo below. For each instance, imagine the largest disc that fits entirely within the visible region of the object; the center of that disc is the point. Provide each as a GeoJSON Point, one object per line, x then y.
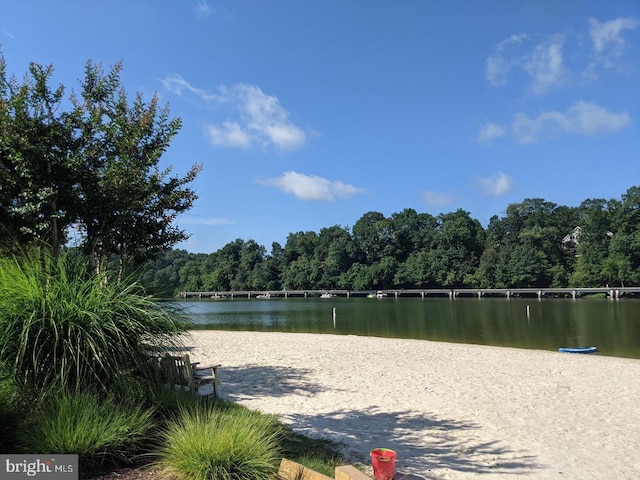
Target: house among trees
{"type": "Point", "coordinates": [573, 239]}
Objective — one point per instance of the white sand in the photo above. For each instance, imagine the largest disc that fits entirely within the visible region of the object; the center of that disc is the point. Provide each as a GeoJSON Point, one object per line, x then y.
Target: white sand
{"type": "Point", "coordinates": [449, 410]}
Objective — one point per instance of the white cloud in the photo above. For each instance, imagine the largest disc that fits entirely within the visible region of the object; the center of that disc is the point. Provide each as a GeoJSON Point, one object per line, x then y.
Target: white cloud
{"type": "Point", "coordinates": [229, 134]}
{"type": "Point", "coordinates": [436, 199]}
{"type": "Point", "coordinates": [259, 119]}
{"type": "Point", "coordinates": [265, 117]}
{"type": "Point", "coordinates": [498, 65]}
{"type": "Point", "coordinates": [582, 118]}
{"type": "Point", "coordinates": [178, 85]}
{"type": "Point", "coordinates": [608, 43]}
{"type": "Point", "coordinates": [203, 9]}
{"type": "Point", "coordinates": [542, 63]}
{"type": "Point", "coordinates": [311, 187]}
{"type": "Point", "coordinates": [545, 67]}
{"type": "Point", "coordinates": [490, 132]}
{"type": "Point", "coordinates": [497, 185]}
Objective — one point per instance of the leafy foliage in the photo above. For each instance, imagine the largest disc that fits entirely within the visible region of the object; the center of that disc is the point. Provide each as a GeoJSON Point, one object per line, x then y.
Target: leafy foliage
{"type": "Point", "coordinates": [93, 168]}
{"type": "Point", "coordinates": [524, 248]}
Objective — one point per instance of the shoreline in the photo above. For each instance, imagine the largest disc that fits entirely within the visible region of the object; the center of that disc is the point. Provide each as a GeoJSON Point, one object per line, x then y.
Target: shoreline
{"type": "Point", "coordinates": [451, 411]}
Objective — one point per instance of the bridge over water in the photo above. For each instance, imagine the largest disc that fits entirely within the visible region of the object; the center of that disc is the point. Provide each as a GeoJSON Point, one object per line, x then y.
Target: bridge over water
{"type": "Point", "coordinates": [452, 293]}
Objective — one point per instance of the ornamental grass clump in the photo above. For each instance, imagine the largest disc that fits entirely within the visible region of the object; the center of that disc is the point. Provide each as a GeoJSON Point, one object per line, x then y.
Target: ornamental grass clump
{"type": "Point", "coordinates": [206, 442]}
{"type": "Point", "coordinates": [63, 326]}
{"type": "Point", "coordinates": [100, 430]}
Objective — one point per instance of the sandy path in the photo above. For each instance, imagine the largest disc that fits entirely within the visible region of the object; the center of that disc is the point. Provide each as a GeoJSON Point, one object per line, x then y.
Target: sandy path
{"type": "Point", "coordinates": [449, 410]}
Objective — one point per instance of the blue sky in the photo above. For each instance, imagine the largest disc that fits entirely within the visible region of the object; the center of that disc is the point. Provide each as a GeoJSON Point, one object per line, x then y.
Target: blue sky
{"type": "Point", "coordinates": [309, 114]}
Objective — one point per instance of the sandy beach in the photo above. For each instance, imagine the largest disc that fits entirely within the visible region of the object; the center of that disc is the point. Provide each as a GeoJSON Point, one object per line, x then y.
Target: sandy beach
{"type": "Point", "coordinates": [451, 411]}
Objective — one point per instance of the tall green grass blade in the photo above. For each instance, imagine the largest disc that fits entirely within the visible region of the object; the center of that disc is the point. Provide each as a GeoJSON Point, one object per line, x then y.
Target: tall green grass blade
{"type": "Point", "coordinates": [62, 326]}
{"type": "Point", "coordinates": [98, 430]}
{"type": "Point", "coordinates": [207, 443]}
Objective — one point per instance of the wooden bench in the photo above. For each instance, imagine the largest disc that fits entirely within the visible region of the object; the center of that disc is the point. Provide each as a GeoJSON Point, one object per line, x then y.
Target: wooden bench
{"type": "Point", "coordinates": [190, 376]}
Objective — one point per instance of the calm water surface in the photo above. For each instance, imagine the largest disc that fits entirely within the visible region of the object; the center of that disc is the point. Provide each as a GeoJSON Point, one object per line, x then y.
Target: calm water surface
{"type": "Point", "coordinates": [613, 326]}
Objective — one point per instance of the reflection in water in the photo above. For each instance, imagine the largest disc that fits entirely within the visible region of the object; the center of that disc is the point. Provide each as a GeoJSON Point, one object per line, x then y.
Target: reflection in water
{"type": "Point", "coordinates": [614, 326]}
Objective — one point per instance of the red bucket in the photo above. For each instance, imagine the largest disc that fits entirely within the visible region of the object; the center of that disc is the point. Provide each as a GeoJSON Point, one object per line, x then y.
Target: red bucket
{"type": "Point", "coordinates": [384, 463]}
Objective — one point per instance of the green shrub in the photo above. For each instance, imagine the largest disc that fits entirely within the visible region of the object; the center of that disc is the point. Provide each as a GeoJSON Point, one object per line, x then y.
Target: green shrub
{"type": "Point", "coordinates": [98, 430]}
{"type": "Point", "coordinates": [169, 401]}
{"type": "Point", "coordinates": [62, 326]}
{"type": "Point", "coordinates": [12, 414]}
{"type": "Point", "coordinates": [206, 442]}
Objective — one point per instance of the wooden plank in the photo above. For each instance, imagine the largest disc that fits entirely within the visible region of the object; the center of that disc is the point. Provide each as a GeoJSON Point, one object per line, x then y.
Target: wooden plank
{"type": "Point", "coordinates": [290, 470]}
{"type": "Point", "coordinates": [349, 472]}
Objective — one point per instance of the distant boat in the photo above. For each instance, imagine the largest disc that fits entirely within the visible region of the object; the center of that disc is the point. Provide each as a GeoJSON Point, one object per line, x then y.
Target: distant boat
{"type": "Point", "coordinates": [378, 294]}
{"type": "Point", "coordinates": [592, 349]}
{"type": "Point", "coordinates": [265, 295]}
{"type": "Point", "coordinates": [327, 295]}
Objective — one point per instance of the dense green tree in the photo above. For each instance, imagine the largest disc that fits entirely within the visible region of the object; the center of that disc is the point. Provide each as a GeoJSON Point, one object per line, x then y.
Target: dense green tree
{"type": "Point", "coordinates": [625, 241]}
{"type": "Point", "coordinates": [250, 274]}
{"type": "Point", "coordinates": [370, 234]}
{"type": "Point", "coordinates": [535, 244]}
{"type": "Point", "coordinates": [126, 204]}
{"type": "Point", "coordinates": [457, 249]}
{"type": "Point", "coordinates": [415, 271]}
{"type": "Point", "coordinates": [359, 277]}
{"type": "Point", "coordinates": [36, 187]}
{"type": "Point", "coordinates": [94, 168]}
{"type": "Point", "coordinates": [334, 255]}
{"type": "Point", "coordinates": [162, 276]}
{"type": "Point", "coordinates": [593, 246]}
{"type": "Point", "coordinates": [192, 273]}
{"type": "Point", "coordinates": [410, 232]}
{"type": "Point", "coordinates": [300, 268]}
{"type": "Point", "coordinates": [524, 248]}
{"type": "Point", "coordinates": [274, 266]}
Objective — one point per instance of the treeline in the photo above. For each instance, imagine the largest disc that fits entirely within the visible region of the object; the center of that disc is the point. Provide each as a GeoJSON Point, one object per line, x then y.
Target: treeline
{"type": "Point", "coordinates": [535, 244]}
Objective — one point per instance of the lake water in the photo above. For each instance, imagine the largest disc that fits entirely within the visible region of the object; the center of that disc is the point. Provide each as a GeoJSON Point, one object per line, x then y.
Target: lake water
{"type": "Point", "coordinates": [547, 324]}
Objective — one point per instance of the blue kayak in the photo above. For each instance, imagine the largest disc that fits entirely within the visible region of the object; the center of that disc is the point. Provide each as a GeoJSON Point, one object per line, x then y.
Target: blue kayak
{"type": "Point", "coordinates": [578, 349]}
